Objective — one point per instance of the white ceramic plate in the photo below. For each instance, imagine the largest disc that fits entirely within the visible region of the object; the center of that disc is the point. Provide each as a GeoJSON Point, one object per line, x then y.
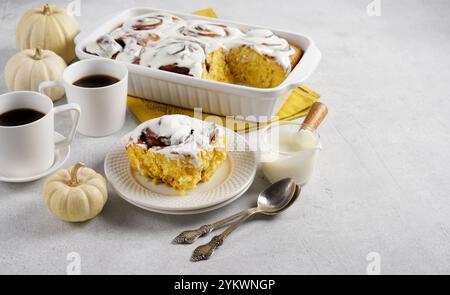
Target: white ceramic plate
{"type": "Point", "coordinates": [230, 180]}
{"type": "Point", "coordinates": [61, 156]}
{"type": "Point", "coordinates": [198, 211]}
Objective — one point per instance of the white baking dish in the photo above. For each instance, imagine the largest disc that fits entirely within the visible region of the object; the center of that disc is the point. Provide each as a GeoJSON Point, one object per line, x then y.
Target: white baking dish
{"type": "Point", "coordinates": [254, 104]}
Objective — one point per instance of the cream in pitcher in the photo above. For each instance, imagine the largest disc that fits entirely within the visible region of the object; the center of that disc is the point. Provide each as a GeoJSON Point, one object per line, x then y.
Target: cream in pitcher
{"type": "Point", "coordinates": [290, 149]}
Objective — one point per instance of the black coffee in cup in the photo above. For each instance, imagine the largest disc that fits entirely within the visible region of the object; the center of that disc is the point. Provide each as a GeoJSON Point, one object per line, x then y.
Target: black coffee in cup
{"type": "Point", "coordinates": [94, 81]}
{"type": "Point", "coordinates": [20, 117]}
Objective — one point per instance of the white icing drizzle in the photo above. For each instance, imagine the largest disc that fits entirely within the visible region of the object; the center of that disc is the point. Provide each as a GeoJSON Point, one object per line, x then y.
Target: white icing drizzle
{"type": "Point", "coordinates": [170, 40]}
{"type": "Point", "coordinates": [142, 38]}
{"type": "Point", "coordinates": [212, 36]}
{"type": "Point", "coordinates": [150, 28]}
{"type": "Point", "coordinates": [180, 53]}
{"type": "Point", "coordinates": [152, 22]}
{"type": "Point", "coordinates": [131, 52]}
{"type": "Point", "coordinates": [105, 46]}
{"type": "Point", "coordinates": [183, 135]}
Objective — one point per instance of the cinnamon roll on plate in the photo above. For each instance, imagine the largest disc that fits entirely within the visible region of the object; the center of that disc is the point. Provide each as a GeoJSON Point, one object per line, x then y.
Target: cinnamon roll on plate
{"type": "Point", "coordinates": [177, 150]}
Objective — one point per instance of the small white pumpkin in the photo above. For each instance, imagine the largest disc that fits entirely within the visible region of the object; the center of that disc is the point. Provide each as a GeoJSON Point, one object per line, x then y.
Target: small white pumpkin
{"type": "Point", "coordinates": [49, 27]}
{"type": "Point", "coordinates": [75, 194]}
{"type": "Point", "coordinates": [26, 69]}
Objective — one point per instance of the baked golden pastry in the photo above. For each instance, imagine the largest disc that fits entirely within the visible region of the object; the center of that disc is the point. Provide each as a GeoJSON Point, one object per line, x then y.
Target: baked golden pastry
{"type": "Point", "coordinates": [178, 150]}
{"type": "Point", "coordinates": [202, 49]}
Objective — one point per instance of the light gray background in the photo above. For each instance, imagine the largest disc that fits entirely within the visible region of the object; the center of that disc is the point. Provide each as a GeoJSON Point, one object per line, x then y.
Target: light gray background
{"type": "Point", "coordinates": [382, 183]}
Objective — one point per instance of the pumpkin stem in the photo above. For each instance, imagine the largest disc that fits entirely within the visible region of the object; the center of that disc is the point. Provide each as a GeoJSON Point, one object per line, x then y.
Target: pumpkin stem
{"type": "Point", "coordinates": [73, 174]}
{"type": "Point", "coordinates": [46, 9]}
{"type": "Point", "coordinates": [37, 54]}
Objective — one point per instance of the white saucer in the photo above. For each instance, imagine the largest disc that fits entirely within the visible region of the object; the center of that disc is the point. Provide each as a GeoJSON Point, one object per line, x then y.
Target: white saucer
{"type": "Point", "coordinates": [230, 181]}
{"type": "Point", "coordinates": [61, 156]}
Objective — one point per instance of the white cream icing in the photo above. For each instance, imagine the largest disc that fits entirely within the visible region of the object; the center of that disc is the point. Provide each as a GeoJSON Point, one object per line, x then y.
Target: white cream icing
{"type": "Point", "coordinates": [142, 38]}
{"type": "Point", "coordinates": [183, 135]}
{"type": "Point", "coordinates": [131, 52]}
{"type": "Point", "coordinates": [170, 40]}
{"type": "Point", "coordinates": [155, 22]}
{"type": "Point", "coordinates": [267, 43]}
{"type": "Point", "coordinates": [105, 46]}
{"type": "Point", "coordinates": [211, 35]}
{"type": "Point", "coordinates": [181, 53]}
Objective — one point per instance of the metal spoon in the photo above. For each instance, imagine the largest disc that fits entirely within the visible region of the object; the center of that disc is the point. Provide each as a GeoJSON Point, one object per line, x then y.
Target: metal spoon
{"type": "Point", "coordinates": [190, 236]}
{"type": "Point", "coordinates": [294, 198]}
{"type": "Point", "coordinates": [283, 188]}
{"type": "Point", "coordinates": [267, 204]}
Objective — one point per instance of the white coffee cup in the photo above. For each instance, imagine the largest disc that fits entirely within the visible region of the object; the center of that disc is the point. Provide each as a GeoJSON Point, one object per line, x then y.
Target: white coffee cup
{"type": "Point", "coordinates": [103, 109]}
{"type": "Point", "coordinates": [29, 149]}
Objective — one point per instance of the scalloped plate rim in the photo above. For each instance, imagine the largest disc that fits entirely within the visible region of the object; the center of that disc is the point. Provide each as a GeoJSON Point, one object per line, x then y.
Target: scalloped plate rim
{"type": "Point", "coordinates": [130, 196]}
{"type": "Point", "coordinates": [189, 212]}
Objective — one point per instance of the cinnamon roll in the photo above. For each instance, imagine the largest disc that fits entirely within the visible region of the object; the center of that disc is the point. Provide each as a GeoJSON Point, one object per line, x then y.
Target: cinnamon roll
{"type": "Point", "coordinates": [146, 29]}
{"type": "Point", "coordinates": [178, 150]}
{"type": "Point", "coordinates": [204, 29]}
{"type": "Point", "coordinates": [267, 43]}
{"type": "Point", "coordinates": [150, 22]}
{"type": "Point", "coordinates": [211, 35]}
{"type": "Point", "coordinates": [176, 55]}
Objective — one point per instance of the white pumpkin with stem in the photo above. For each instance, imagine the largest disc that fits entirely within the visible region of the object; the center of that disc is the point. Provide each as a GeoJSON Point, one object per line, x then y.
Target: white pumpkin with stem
{"type": "Point", "coordinates": [26, 69]}
{"type": "Point", "coordinates": [76, 194]}
{"type": "Point", "coordinates": [49, 27]}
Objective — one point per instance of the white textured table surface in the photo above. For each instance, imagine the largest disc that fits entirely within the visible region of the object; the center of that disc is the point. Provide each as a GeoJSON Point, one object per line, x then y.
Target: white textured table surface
{"type": "Point", "coordinates": [382, 184]}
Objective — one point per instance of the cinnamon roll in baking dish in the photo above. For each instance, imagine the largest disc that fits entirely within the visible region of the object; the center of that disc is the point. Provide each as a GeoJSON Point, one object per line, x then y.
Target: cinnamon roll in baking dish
{"type": "Point", "coordinates": [176, 55]}
{"type": "Point", "coordinates": [202, 49]}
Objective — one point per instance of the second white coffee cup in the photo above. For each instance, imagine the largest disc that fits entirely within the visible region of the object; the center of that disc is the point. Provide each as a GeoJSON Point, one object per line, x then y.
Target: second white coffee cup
{"type": "Point", "coordinates": [103, 109]}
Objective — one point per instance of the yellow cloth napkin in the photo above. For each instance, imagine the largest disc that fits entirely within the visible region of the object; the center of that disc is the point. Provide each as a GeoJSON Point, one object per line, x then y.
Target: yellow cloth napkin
{"type": "Point", "coordinates": [297, 104]}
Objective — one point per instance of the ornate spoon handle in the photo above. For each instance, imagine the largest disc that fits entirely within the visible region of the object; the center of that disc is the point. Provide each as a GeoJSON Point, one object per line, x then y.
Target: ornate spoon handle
{"type": "Point", "coordinates": [205, 251]}
{"type": "Point", "coordinates": [190, 236]}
